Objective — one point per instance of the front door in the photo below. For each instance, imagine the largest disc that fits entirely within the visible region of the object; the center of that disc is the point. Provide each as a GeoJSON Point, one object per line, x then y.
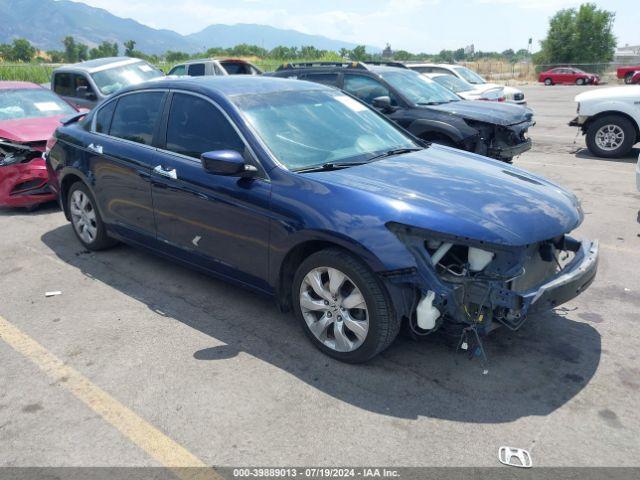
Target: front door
{"type": "Point", "coordinates": [219, 222]}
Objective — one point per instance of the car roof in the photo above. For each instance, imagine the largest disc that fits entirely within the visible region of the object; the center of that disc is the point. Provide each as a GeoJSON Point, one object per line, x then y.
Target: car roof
{"type": "Point", "coordinates": [98, 64]}
{"type": "Point", "coordinates": [16, 85]}
{"type": "Point", "coordinates": [197, 60]}
{"type": "Point", "coordinates": [229, 85]}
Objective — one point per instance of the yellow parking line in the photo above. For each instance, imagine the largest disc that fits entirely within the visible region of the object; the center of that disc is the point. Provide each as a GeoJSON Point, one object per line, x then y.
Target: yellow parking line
{"type": "Point", "coordinates": [155, 443]}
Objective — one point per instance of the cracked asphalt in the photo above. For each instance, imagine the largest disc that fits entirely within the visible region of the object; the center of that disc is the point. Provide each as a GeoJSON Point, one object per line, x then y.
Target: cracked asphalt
{"type": "Point", "coordinates": [220, 372]}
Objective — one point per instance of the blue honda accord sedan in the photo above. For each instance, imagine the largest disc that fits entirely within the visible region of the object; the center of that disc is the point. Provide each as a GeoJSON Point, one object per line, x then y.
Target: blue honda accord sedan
{"type": "Point", "coordinates": [299, 191]}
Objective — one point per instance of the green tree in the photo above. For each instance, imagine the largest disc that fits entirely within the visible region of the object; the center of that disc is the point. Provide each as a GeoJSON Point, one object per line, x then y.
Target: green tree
{"type": "Point", "coordinates": [5, 51]}
{"type": "Point", "coordinates": [175, 57]}
{"type": "Point", "coordinates": [129, 47]}
{"type": "Point", "coordinates": [22, 50]}
{"type": "Point", "coordinates": [359, 53]}
{"type": "Point", "coordinates": [105, 49]}
{"type": "Point", "coordinates": [584, 35]}
{"type": "Point", "coordinates": [402, 55]}
{"type": "Point", "coordinates": [55, 56]}
{"type": "Point", "coordinates": [70, 50]}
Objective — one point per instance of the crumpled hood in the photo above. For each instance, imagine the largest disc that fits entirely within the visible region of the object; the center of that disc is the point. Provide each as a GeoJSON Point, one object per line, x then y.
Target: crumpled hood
{"type": "Point", "coordinates": [463, 194]}
{"type": "Point", "coordinates": [490, 112]}
{"type": "Point", "coordinates": [27, 130]}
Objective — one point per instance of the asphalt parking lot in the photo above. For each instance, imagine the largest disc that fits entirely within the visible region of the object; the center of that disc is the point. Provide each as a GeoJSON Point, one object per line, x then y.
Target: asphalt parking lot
{"type": "Point", "coordinates": [140, 359]}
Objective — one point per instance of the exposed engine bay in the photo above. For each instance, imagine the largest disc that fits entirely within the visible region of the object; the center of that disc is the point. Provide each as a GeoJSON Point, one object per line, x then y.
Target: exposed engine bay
{"type": "Point", "coordinates": [11, 152]}
{"type": "Point", "coordinates": [468, 288]}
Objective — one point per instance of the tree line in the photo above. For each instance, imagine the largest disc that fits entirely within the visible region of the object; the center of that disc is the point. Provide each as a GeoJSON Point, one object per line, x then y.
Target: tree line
{"type": "Point", "coordinates": [582, 35]}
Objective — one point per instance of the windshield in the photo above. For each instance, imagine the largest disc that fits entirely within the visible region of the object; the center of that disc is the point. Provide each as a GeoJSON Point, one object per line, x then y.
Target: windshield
{"type": "Point", "coordinates": [31, 103]}
{"type": "Point", "coordinates": [113, 79]}
{"type": "Point", "coordinates": [469, 75]}
{"type": "Point", "coordinates": [311, 128]}
{"type": "Point", "coordinates": [417, 88]}
{"type": "Point", "coordinates": [452, 83]}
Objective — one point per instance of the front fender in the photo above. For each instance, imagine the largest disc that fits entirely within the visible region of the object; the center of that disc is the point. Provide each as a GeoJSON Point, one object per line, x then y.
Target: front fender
{"type": "Point", "coordinates": [422, 127]}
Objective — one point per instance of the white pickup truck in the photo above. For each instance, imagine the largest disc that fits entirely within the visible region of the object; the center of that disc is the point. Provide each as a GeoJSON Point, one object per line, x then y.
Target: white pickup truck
{"type": "Point", "coordinates": [610, 118]}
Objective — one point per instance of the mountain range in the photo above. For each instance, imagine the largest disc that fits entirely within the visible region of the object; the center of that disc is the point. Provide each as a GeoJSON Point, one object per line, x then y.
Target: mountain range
{"type": "Point", "coordinates": [90, 25]}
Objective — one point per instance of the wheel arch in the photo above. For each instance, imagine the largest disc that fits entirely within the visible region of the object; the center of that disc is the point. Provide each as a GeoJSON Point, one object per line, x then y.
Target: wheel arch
{"type": "Point", "coordinates": [65, 184]}
{"type": "Point", "coordinates": [618, 113]}
{"type": "Point", "coordinates": [302, 250]}
{"type": "Point", "coordinates": [432, 130]}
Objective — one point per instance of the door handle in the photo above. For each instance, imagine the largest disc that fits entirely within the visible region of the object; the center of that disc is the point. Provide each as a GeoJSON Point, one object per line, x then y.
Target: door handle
{"type": "Point", "coordinates": [165, 172]}
{"type": "Point", "coordinates": [95, 148]}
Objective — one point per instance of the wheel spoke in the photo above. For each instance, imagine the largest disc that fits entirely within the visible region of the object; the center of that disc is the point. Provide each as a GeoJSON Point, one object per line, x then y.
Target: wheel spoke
{"type": "Point", "coordinates": [319, 327]}
{"type": "Point", "coordinates": [343, 344]}
{"type": "Point", "coordinates": [358, 327]}
{"type": "Point", "coordinates": [314, 279]}
{"type": "Point", "coordinates": [336, 279]}
{"type": "Point", "coordinates": [308, 303]}
{"type": "Point", "coordinates": [354, 300]}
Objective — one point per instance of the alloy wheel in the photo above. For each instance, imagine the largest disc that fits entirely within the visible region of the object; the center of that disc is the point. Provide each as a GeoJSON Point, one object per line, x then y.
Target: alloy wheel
{"type": "Point", "coordinates": [334, 309]}
{"type": "Point", "coordinates": [609, 137]}
{"type": "Point", "coordinates": [83, 216]}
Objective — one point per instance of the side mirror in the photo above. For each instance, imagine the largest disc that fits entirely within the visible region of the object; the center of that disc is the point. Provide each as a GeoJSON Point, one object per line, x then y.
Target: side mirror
{"type": "Point", "coordinates": [226, 162]}
{"type": "Point", "coordinates": [383, 103]}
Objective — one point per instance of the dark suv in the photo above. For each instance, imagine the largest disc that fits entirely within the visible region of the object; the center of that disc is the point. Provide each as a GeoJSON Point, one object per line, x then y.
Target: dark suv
{"type": "Point", "coordinates": [423, 107]}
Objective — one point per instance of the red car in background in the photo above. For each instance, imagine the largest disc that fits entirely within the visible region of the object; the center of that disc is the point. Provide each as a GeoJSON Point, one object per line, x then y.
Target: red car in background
{"type": "Point", "coordinates": [568, 75]}
{"type": "Point", "coordinates": [29, 114]}
{"type": "Point", "coordinates": [628, 73]}
{"type": "Point", "coordinates": [635, 78]}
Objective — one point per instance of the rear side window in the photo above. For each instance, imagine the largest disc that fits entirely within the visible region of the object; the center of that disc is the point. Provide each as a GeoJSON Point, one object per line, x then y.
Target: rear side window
{"type": "Point", "coordinates": [136, 116]}
{"type": "Point", "coordinates": [196, 70]}
{"type": "Point", "coordinates": [63, 84]}
{"type": "Point", "coordinates": [195, 126]}
{"type": "Point", "coordinates": [330, 79]}
{"type": "Point", "coordinates": [365, 88]}
{"type": "Point", "coordinates": [104, 116]}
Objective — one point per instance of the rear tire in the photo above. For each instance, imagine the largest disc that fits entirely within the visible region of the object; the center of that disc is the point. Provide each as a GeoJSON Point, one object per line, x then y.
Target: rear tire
{"type": "Point", "coordinates": [611, 136]}
{"type": "Point", "coordinates": [85, 218]}
{"type": "Point", "coordinates": [323, 308]}
{"type": "Point", "coordinates": [548, 81]}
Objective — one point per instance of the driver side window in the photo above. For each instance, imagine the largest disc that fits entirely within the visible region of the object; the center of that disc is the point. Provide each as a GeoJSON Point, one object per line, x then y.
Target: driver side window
{"type": "Point", "coordinates": [195, 126]}
{"type": "Point", "coordinates": [366, 88]}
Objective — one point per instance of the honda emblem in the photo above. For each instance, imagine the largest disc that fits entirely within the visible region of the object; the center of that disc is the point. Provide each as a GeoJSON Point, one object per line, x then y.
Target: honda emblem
{"type": "Point", "coordinates": [515, 457]}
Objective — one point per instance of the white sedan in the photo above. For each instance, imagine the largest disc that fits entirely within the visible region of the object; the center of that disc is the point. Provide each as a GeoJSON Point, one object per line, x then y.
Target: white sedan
{"type": "Point", "coordinates": [467, 90]}
{"type": "Point", "coordinates": [513, 95]}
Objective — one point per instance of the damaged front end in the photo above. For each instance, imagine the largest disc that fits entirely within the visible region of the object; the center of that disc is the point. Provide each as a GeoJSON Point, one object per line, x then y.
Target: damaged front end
{"type": "Point", "coordinates": [502, 142]}
{"type": "Point", "coordinates": [24, 181]}
{"type": "Point", "coordinates": [464, 285]}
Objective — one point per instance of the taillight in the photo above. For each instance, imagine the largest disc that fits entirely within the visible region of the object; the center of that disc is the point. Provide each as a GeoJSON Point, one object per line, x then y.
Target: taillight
{"type": "Point", "coordinates": [50, 144]}
{"type": "Point", "coordinates": [502, 99]}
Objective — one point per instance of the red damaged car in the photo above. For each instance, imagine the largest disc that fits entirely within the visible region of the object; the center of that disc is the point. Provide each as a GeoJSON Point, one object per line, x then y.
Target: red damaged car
{"type": "Point", "coordinates": [568, 75]}
{"type": "Point", "coordinates": [28, 116]}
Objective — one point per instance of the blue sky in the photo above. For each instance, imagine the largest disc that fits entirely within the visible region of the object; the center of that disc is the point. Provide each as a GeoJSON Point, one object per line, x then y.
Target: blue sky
{"type": "Point", "coordinates": [414, 25]}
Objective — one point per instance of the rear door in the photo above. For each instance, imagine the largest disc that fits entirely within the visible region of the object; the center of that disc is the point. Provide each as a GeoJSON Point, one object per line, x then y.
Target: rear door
{"type": "Point", "coordinates": [220, 222]}
{"type": "Point", "coordinates": [122, 154]}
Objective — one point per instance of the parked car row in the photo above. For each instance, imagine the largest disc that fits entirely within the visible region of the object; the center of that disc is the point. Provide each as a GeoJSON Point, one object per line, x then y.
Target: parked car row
{"type": "Point", "coordinates": [301, 191]}
{"type": "Point", "coordinates": [331, 194]}
{"type": "Point", "coordinates": [424, 107]}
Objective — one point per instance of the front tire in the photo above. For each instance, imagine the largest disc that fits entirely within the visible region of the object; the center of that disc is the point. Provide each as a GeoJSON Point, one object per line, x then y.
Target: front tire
{"type": "Point", "coordinates": [611, 136]}
{"type": "Point", "coordinates": [343, 306]}
{"type": "Point", "coordinates": [580, 81]}
{"type": "Point", "coordinates": [85, 218]}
